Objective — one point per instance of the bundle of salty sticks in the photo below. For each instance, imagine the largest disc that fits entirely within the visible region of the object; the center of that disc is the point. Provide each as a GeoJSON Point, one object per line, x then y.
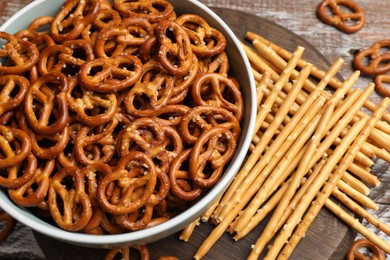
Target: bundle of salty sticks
{"type": "Point", "coordinates": [316, 139]}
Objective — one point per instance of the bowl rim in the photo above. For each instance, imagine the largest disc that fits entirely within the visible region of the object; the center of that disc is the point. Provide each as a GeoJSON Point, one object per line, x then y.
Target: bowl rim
{"type": "Point", "coordinates": [109, 240]}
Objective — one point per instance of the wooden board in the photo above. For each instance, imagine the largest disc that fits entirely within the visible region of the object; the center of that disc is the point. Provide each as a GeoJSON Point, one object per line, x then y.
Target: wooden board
{"type": "Point", "coordinates": [327, 238]}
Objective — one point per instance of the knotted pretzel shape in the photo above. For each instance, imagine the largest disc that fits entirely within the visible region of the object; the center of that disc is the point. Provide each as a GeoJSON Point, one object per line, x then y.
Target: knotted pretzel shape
{"type": "Point", "coordinates": [15, 145]}
{"type": "Point", "coordinates": [70, 20]}
{"type": "Point", "coordinates": [92, 108]}
{"type": "Point", "coordinates": [202, 118]}
{"type": "Point", "coordinates": [114, 74]}
{"type": "Point", "coordinates": [382, 85]}
{"type": "Point", "coordinates": [135, 177]}
{"type": "Point", "coordinates": [211, 152]}
{"type": "Point", "coordinates": [48, 94]}
{"type": "Point", "coordinates": [36, 31]}
{"type": "Point", "coordinates": [8, 226]}
{"type": "Point", "coordinates": [205, 40]}
{"type": "Point", "coordinates": [153, 90]}
{"type": "Point", "coordinates": [378, 61]}
{"type": "Point", "coordinates": [339, 18]}
{"type": "Point", "coordinates": [123, 39]}
{"type": "Point", "coordinates": [214, 89]}
{"type": "Point", "coordinates": [34, 192]}
{"type": "Point", "coordinates": [181, 184]}
{"type": "Point", "coordinates": [215, 64]}
{"type": "Point", "coordinates": [124, 253]}
{"type": "Point", "coordinates": [8, 99]}
{"type": "Point", "coordinates": [152, 10]}
{"type": "Point", "coordinates": [175, 54]}
{"type": "Point", "coordinates": [66, 58]}
{"type": "Point", "coordinates": [18, 175]}
{"type": "Point", "coordinates": [353, 252]}
{"type": "Point", "coordinates": [69, 204]}
{"type": "Point", "coordinates": [17, 55]}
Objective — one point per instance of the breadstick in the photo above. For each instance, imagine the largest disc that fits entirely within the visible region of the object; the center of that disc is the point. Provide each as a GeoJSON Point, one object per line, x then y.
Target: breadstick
{"type": "Point", "coordinates": [295, 179]}
{"type": "Point", "coordinates": [331, 184]}
{"type": "Point", "coordinates": [357, 196]}
{"type": "Point", "coordinates": [355, 224]}
{"type": "Point", "coordinates": [356, 208]}
{"type": "Point", "coordinates": [364, 174]}
{"type": "Point", "coordinates": [188, 230]}
{"type": "Point", "coordinates": [262, 212]}
{"type": "Point", "coordinates": [253, 158]}
{"type": "Point", "coordinates": [316, 72]}
{"type": "Point", "coordinates": [381, 153]}
{"type": "Point", "coordinates": [206, 216]}
{"type": "Point", "coordinates": [262, 193]}
{"type": "Point", "coordinates": [265, 80]}
{"type": "Point", "coordinates": [295, 217]}
{"type": "Point", "coordinates": [355, 183]}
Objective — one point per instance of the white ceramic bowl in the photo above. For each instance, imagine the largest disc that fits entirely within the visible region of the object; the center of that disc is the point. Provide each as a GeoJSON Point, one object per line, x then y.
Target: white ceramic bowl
{"type": "Point", "coordinates": [240, 68]}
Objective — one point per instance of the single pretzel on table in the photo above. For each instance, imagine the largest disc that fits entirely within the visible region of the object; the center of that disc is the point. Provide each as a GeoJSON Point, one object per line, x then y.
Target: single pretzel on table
{"type": "Point", "coordinates": [373, 60]}
{"type": "Point", "coordinates": [348, 22]}
{"type": "Point", "coordinates": [353, 252]}
{"type": "Point", "coordinates": [125, 252]}
{"type": "Point", "coordinates": [380, 86]}
{"type": "Point", "coordinates": [8, 225]}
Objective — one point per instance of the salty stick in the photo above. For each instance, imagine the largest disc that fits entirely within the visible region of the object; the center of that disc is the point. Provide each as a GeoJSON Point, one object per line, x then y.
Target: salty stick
{"type": "Point", "coordinates": [282, 136]}
{"type": "Point", "coordinates": [329, 187]}
{"type": "Point", "coordinates": [325, 125]}
{"type": "Point", "coordinates": [263, 212]}
{"type": "Point", "coordinates": [268, 207]}
{"type": "Point", "coordinates": [270, 230]}
{"type": "Point", "coordinates": [206, 216]}
{"type": "Point", "coordinates": [381, 138]}
{"type": "Point", "coordinates": [271, 55]}
{"type": "Point", "coordinates": [381, 153]}
{"type": "Point", "coordinates": [357, 196]}
{"type": "Point", "coordinates": [284, 77]}
{"type": "Point", "coordinates": [341, 124]}
{"type": "Point", "coordinates": [364, 174]}
{"type": "Point", "coordinates": [355, 183]}
{"type": "Point", "coordinates": [275, 171]}
{"type": "Point", "coordinates": [295, 217]}
{"type": "Point", "coordinates": [253, 158]}
{"type": "Point", "coordinates": [316, 72]}
{"type": "Point", "coordinates": [356, 208]}
{"type": "Point", "coordinates": [264, 82]}
{"type": "Point", "coordinates": [188, 230]}
{"type": "Point", "coordinates": [355, 224]}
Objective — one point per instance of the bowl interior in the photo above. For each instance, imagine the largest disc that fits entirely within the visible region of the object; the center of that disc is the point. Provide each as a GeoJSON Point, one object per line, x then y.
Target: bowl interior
{"type": "Point", "coordinates": [239, 68]}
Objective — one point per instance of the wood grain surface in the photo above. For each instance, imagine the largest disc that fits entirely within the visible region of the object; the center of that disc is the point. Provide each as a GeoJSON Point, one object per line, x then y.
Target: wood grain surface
{"type": "Point", "coordinates": [298, 17]}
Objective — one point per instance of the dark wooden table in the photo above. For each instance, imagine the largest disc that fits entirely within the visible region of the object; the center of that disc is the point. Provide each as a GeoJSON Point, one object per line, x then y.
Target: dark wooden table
{"type": "Point", "coordinates": [300, 18]}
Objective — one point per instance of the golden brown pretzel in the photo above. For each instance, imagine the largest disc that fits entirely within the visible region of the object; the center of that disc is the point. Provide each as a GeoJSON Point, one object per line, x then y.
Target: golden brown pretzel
{"type": "Point", "coordinates": [381, 86]}
{"type": "Point", "coordinates": [77, 208]}
{"type": "Point", "coordinates": [181, 185]}
{"type": "Point", "coordinates": [35, 190]}
{"type": "Point", "coordinates": [219, 87]}
{"type": "Point", "coordinates": [17, 55]}
{"type": "Point", "coordinates": [8, 99]}
{"type": "Point", "coordinates": [152, 10]}
{"type": "Point", "coordinates": [8, 226]}
{"type": "Point", "coordinates": [11, 138]}
{"type": "Point", "coordinates": [202, 118]}
{"type": "Point", "coordinates": [353, 252]}
{"type": "Point", "coordinates": [18, 175]}
{"type": "Point", "coordinates": [116, 73]}
{"type": "Point", "coordinates": [206, 41]}
{"type": "Point", "coordinates": [179, 47]}
{"type": "Point", "coordinates": [216, 64]}
{"type": "Point", "coordinates": [214, 148]}
{"type": "Point", "coordinates": [155, 86]}
{"type": "Point", "coordinates": [378, 61]}
{"type": "Point", "coordinates": [70, 20]}
{"type": "Point", "coordinates": [50, 99]}
{"type": "Point", "coordinates": [135, 171]}
{"type": "Point", "coordinates": [340, 19]}
{"type": "Point", "coordinates": [92, 108]}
